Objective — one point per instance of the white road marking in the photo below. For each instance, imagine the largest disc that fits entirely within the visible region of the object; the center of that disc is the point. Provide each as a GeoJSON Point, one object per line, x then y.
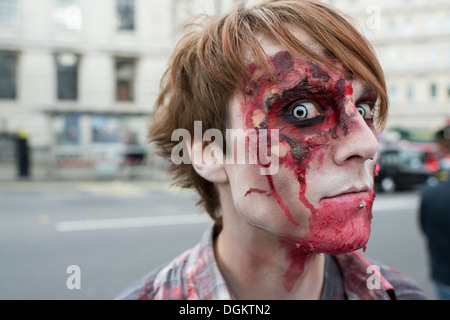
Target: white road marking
{"type": "Point", "coordinates": [380, 205]}
{"type": "Point", "coordinates": [135, 222]}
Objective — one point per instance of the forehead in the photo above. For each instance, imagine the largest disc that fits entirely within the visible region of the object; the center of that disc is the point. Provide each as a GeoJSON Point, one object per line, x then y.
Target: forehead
{"type": "Point", "coordinates": [272, 46]}
{"type": "Point", "coordinates": [281, 59]}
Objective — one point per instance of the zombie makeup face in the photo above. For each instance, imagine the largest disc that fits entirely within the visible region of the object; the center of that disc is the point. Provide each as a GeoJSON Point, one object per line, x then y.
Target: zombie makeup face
{"type": "Point", "coordinates": [321, 198]}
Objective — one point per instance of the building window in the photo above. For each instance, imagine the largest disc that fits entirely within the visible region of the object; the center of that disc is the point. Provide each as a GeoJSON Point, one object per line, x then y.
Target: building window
{"type": "Point", "coordinates": [70, 132]}
{"type": "Point", "coordinates": [433, 90]}
{"type": "Point", "coordinates": [409, 57]}
{"type": "Point", "coordinates": [8, 66]}
{"type": "Point", "coordinates": [125, 74]}
{"type": "Point", "coordinates": [393, 58]}
{"type": "Point", "coordinates": [9, 15]}
{"type": "Point", "coordinates": [67, 15]}
{"type": "Point", "coordinates": [67, 76]}
{"type": "Point", "coordinates": [125, 14]}
{"type": "Point", "coordinates": [391, 26]}
{"type": "Point", "coordinates": [393, 93]}
{"type": "Point", "coordinates": [408, 27]}
{"type": "Point", "coordinates": [447, 23]}
{"type": "Point", "coordinates": [410, 92]}
{"type": "Point", "coordinates": [107, 129]}
{"type": "Point", "coordinates": [432, 56]}
{"type": "Point", "coordinates": [432, 25]}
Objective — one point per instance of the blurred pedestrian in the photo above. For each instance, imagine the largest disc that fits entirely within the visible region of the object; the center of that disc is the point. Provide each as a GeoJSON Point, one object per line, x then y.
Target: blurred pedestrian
{"type": "Point", "coordinates": [134, 156]}
{"type": "Point", "coordinates": [298, 73]}
{"type": "Point", "coordinates": [435, 223]}
{"type": "Point", "coordinates": [23, 155]}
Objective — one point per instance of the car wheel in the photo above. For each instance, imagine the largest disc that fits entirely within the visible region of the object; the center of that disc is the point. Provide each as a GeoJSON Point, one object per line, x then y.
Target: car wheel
{"type": "Point", "coordinates": [387, 184]}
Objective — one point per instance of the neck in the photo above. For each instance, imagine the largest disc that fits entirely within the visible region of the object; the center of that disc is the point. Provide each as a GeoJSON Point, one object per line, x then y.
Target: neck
{"type": "Point", "coordinates": [259, 265]}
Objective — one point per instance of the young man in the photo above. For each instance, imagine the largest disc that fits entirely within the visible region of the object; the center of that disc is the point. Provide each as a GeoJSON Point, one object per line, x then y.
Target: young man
{"type": "Point", "coordinates": [306, 88]}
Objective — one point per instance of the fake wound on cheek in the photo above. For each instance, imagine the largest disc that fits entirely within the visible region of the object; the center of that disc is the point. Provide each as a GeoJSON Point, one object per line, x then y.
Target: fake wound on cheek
{"type": "Point", "coordinates": [267, 107]}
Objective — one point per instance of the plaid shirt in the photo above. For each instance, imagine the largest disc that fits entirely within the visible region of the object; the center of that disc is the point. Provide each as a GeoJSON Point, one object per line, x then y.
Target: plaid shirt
{"type": "Point", "coordinates": [194, 275]}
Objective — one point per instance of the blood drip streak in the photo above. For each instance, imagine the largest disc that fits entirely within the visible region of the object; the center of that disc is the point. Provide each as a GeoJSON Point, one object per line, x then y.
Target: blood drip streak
{"type": "Point", "coordinates": [256, 190]}
{"type": "Point", "coordinates": [297, 262]}
{"type": "Point", "coordinates": [280, 201]}
{"type": "Point", "coordinates": [302, 191]}
{"type": "Point", "coordinates": [272, 191]}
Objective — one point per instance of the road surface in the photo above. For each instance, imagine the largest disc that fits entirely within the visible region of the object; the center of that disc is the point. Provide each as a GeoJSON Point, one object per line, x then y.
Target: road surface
{"type": "Point", "coordinates": [114, 232]}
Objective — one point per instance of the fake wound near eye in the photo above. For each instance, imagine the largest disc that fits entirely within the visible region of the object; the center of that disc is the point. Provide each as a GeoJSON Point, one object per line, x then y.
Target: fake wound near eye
{"type": "Point", "coordinates": [303, 122]}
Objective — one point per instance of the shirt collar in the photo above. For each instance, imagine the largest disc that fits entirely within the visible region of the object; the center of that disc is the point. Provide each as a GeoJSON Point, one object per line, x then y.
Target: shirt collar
{"type": "Point", "coordinates": [357, 272]}
{"type": "Point", "coordinates": [207, 280]}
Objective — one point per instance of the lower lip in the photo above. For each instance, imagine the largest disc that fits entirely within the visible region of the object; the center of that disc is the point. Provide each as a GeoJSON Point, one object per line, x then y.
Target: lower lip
{"type": "Point", "coordinates": [347, 198]}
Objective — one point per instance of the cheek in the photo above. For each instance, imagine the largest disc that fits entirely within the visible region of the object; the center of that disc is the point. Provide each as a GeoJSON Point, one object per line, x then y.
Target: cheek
{"type": "Point", "coordinates": [269, 202]}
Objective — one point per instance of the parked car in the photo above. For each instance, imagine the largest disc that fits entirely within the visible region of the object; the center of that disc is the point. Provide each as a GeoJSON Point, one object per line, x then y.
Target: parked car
{"type": "Point", "coordinates": [407, 167]}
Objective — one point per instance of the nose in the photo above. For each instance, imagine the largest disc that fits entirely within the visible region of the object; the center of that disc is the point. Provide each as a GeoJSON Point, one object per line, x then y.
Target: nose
{"type": "Point", "coordinates": [357, 140]}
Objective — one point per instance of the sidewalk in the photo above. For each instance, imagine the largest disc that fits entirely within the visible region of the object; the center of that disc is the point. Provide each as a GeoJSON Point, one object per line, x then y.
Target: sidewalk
{"type": "Point", "coordinates": [110, 189]}
{"type": "Point", "coordinates": [85, 182]}
{"type": "Point", "coordinates": [99, 172]}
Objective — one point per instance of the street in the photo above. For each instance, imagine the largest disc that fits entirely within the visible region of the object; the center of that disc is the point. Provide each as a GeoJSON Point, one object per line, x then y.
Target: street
{"type": "Point", "coordinates": [116, 231]}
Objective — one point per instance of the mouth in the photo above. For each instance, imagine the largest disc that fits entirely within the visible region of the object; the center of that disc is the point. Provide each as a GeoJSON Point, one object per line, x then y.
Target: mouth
{"type": "Point", "coordinates": [350, 194]}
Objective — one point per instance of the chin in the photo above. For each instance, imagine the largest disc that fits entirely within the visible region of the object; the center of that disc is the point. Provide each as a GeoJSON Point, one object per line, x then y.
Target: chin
{"type": "Point", "coordinates": [341, 244]}
{"type": "Point", "coordinates": [336, 236]}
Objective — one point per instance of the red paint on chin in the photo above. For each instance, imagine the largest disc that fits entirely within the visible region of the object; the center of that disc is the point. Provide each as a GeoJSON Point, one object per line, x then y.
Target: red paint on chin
{"type": "Point", "coordinates": [339, 224]}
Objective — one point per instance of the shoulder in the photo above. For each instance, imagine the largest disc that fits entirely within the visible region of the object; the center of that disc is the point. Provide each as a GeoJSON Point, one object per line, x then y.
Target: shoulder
{"type": "Point", "coordinates": [191, 275]}
{"type": "Point", "coordinates": [404, 287]}
{"type": "Point", "coordinates": [136, 291]}
{"type": "Point", "coordinates": [164, 282]}
{"type": "Point", "coordinates": [365, 279]}
{"type": "Point", "coordinates": [436, 191]}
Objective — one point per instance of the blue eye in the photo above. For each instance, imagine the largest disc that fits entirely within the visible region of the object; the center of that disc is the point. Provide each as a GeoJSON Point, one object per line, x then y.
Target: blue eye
{"type": "Point", "coordinates": [300, 111]}
{"type": "Point", "coordinates": [303, 113]}
{"type": "Point", "coordinates": [365, 110]}
{"type": "Point", "coordinates": [303, 110]}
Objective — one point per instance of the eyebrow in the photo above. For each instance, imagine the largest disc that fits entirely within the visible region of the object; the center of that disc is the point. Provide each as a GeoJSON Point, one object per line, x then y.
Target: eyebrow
{"type": "Point", "coordinates": [302, 90]}
{"type": "Point", "coordinates": [366, 91]}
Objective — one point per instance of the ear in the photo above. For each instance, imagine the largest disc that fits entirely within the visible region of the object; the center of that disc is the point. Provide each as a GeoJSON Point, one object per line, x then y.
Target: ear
{"type": "Point", "coordinates": [207, 160]}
